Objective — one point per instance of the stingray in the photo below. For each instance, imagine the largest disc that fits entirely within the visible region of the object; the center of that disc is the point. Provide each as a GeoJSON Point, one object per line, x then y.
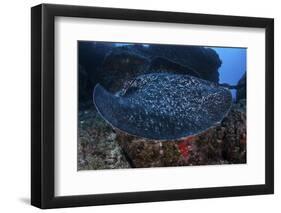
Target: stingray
{"type": "Point", "coordinates": [164, 106]}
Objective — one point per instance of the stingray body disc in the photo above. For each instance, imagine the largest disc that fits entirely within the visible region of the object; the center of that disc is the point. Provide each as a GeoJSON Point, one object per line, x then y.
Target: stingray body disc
{"type": "Point", "coordinates": [164, 106]}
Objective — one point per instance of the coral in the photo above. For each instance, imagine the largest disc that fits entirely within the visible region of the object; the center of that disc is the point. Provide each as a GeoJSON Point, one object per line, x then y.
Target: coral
{"type": "Point", "coordinates": [241, 91]}
{"type": "Point", "coordinates": [222, 144]}
{"type": "Point", "coordinates": [102, 147]}
{"type": "Point", "coordinates": [97, 147]}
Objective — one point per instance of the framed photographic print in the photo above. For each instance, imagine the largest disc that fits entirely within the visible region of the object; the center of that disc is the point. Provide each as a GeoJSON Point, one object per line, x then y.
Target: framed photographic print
{"type": "Point", "coordinates": [139, 106]}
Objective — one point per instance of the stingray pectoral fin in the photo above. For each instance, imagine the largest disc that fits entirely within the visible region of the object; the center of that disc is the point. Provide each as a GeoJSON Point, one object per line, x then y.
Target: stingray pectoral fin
{"type": "Point", "coordinates": [129, 117]}
{"type": "Point", "coordinates": [166, 107]}
{"type": "Point", "coordinates": [105, 103]}
{"type": "Point", "coordinates": [115, 110]}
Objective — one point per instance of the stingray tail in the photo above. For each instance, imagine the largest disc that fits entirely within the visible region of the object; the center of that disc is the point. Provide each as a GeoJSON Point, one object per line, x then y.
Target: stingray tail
{"type": "Point", "coordinates": [238, 86]}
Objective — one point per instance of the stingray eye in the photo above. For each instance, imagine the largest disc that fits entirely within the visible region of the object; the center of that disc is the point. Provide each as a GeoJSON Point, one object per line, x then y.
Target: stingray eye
{"type": "Point", "coordinates": [131, 90]}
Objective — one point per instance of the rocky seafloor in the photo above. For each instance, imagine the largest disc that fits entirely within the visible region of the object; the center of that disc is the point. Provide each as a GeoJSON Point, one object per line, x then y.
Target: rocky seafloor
{"type": "Point", "coordinates": [102, 147]}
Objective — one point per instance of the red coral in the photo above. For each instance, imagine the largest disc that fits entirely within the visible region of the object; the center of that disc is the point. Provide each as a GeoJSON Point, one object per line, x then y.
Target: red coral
{"type": "Point", "coordinates": [183, 146]}
{"type": "Point", "coordinates": [183, 149]}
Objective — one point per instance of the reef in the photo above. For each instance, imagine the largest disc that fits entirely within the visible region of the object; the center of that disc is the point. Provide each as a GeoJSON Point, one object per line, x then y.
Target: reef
{"type": "Point", "coordinates": [111, 74]}
{"type": "Point", "coordinates": [102, 147]}
{"type": "Point", "coordinates": [97, 145]}
{"type": "Point", "coordinates": [241, 88]}
{"type": "Point", "coordinates": [223, 144]}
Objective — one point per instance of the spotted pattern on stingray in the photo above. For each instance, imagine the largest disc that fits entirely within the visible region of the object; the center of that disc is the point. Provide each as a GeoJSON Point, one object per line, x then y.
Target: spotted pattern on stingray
{"type": "Point", "coordinates": [164, 106]}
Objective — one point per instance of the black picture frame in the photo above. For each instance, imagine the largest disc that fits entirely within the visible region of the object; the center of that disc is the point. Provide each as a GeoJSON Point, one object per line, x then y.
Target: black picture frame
{"type": "Point", "coordinates": [43, 117]}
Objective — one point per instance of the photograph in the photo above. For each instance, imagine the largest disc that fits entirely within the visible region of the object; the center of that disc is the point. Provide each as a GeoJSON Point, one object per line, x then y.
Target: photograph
{"type": "Point", "coordinates": [140, 105]}
{"type": "Point", "coordinates": [146, 105]}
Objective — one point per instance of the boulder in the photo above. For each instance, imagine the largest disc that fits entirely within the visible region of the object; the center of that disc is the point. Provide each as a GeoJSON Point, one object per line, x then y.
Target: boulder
{"type": "Point", "coordinates": [127, 62]}
{"type": "Point", "coordinates": [112, 65]}
{"type": "Point", "coordinates": [223, 144]}
{"type": "Point", "coordinates": [91, 56]}
{"type": "Point", "coordinates": [97, 146]}
{"type": "Point", "coordinates": [241, 88]}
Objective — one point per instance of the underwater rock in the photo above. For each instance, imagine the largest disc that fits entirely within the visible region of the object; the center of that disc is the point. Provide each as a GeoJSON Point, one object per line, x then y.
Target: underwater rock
{"type": "Point", "coordinates": [97, 145]}
{"type": "Point", "coordinates": [224, 144]}
{"type": "Point", "coordinates": [160, 64]}
{"type": "Point", "coordinates": [145, 153]}
{"type": "Point", "coordinates": [119, 66]}
{"type": "Point", "coordinates": [164, 106]}
{"type": "Point", "coordinates": [204, 61]}
{"type": "Point", "coordinates": [111, 66]}
{"type": "Point", "coordinates": [100, 147]}
{"type": "Point", "coordinates": [85, 88]}
{"type": "Point", "coordinates": [91, 56]}
{"type": "Point", "coordinates": [241, 88]}
{"type": "Point", "coordinates": [127, 62]}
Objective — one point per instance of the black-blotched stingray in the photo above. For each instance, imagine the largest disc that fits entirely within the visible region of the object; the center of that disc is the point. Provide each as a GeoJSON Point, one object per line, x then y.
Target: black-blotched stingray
{"type": "Point", "coordinates": [164, 106]}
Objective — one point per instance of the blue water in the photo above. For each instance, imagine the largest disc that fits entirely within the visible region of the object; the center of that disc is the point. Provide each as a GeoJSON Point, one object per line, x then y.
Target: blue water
{"type": "Point", "coordinates": [234, 62]}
